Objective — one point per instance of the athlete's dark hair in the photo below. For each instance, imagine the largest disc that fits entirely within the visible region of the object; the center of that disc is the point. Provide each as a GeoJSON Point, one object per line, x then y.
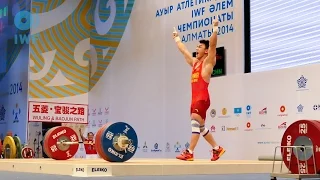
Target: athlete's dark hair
{"type": "Point", "coordinates": [205, 42]}
{"type": "Point", "coordinates": [90, 133]}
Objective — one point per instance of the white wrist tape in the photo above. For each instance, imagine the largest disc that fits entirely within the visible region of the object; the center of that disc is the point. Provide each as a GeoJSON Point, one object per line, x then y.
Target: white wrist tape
{"type": "Point", "coordinates": [177, 39]}
{"type": "Point", "coordinates": [215, 29]}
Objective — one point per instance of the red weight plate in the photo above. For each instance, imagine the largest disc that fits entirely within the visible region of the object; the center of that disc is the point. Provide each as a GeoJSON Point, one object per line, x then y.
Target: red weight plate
{"type": "Point", "coordinates": [97, 145]}
{"type": "Point", "coordinates": [62, 151]}
{"type": "Point", "coordinates": [302, 133]}
{"type": "Point", "coordinates": [45, 142]}
{"type": "Point", "coordinates": [27, 153]}
{"type": "Point", "coordinates": [98, 142]}
{"type": "Point", "coordinates": [317, 121]}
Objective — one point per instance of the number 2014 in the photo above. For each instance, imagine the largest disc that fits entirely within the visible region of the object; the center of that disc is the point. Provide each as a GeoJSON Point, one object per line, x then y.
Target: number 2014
{"type": "Point", "coordinates": [15, 88]}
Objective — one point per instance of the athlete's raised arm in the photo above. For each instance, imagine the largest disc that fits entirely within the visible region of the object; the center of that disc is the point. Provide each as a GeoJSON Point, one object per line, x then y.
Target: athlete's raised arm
{"type": "Point", "coordinates": [182, 48]}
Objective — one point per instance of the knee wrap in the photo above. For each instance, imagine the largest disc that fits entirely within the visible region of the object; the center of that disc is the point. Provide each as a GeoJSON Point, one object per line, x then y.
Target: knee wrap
{"type": "Point", "coordinates": [195, 126]}
{"type": "Point", "coordinates": [204, 131]}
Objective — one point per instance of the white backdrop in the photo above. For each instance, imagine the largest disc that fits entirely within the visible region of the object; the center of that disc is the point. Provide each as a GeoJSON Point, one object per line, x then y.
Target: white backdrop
{"type": "Point", "coordinates": [149, 87]}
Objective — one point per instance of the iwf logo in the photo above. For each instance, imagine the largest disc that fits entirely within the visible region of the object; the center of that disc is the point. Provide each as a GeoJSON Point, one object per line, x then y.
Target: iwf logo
{"type": "Point", "coordinates": [23, 21]}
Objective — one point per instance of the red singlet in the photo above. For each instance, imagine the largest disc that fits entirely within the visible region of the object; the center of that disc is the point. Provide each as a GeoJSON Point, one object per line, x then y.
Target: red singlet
{"type": "Point", "coordinates": [198, 84]}
{"type": "Point", "coordinates": [90, 149]}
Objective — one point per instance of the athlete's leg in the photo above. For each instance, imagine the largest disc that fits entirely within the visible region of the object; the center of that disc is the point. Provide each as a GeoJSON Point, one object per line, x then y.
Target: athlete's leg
{"type": "Point", "coordinates": [217, 151]}
{"type": "Point", "coordinates": [198, 114]}
{"type": "Point", "coordinates": [187, 155]}
{"type": "Point", "coordinates": [208, 136]}
{"type": "Point", "coordinates": [196, 122]}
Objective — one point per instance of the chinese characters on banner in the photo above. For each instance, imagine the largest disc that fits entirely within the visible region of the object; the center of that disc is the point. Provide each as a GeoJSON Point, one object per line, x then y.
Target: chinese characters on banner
{"type": "Point", "coordinates": [58, 112]}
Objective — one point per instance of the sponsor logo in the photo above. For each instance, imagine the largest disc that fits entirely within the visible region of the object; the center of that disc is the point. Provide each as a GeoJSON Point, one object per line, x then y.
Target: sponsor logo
{"type": "Point", "coordinates": [93, 123]}
{"type": "Point", "coordinates": [16, 112]}
{"type": "Point", "coordinates": [2, 115]}
{"type": "Point", "coordinates": [282, 111]}
{"type": "Point", "coordinates": [263, 111]}
{"type": "Point", "coordinates": [145, 147]}
{"type": "Point", "coordinates": [232, 128]}
{"type": "Point", "coordinates": [237, 111]}
{"type": "Point", "coordinates": [263, 127]}
{"type": "Point", "coordinates": [106, 111]}
{"type": "Point", "coordinates": [224, 113]}
{"type": "Point", "coordinates": [167, 147]}
{"type": "Point", "coordinates": [302, 83]}
{"type": "Point", "coordinates": [300, 109]}
{"type": "Point", "coordinates": [177, 147]}
{"type": "Point", "coordinates": [248, 127]}
{"type": "Point", "coordinates": [225, 128]}
{"type": "Point", "coordinates": [156, 148]}
{"type": "Point", "coordinates": [213, 113]}
{"type": "Point", "coordinates": [283, 125]}
{"type": "Point", "coordinates": [100, 123]}
{"type": "Point", "coordinates": [248, 112]}
{"type": "Point", "coordinates": [316, 107]}
{"type": "Point", "coordinates": [99, 112]}
{"type": "Point", "coordinates": [213, 128]}
{"type": "Point", "coordinates": [187, 145]}
{"type": "Point", "coordinates": [99, 170]}
{"type": "Point", "coordinates": [94, 112]}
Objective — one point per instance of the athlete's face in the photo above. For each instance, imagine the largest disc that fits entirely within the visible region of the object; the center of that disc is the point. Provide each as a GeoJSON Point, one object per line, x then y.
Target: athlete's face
{"type": "Point", "coordinates": [201, 51]}
{"type": "Point", "coordinates": [90, 136]}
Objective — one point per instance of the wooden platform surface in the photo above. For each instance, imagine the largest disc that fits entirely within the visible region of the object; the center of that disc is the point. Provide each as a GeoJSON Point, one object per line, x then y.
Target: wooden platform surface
{"type": "Point", "coordinates": [134, 167]}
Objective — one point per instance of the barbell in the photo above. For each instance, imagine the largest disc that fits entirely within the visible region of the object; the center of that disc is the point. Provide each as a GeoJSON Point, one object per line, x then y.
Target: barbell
{"type": "Point", "coordinates": [114, 142]}
{"type": "Point", "coordinates": [117, 142]}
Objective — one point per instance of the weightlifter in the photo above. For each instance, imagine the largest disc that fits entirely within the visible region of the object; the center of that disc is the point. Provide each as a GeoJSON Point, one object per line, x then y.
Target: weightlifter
{"type": "Point", "coordinates": [202, 67]}
{"type": "Point", "coordinates": [89, 146]}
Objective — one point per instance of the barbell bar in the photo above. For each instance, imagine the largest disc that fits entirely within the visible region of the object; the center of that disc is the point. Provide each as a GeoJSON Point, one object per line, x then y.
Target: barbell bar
{"type": "Point", "coordinates": [73, 143]}
{"type": "Point", "coordinates": [123, 141]}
